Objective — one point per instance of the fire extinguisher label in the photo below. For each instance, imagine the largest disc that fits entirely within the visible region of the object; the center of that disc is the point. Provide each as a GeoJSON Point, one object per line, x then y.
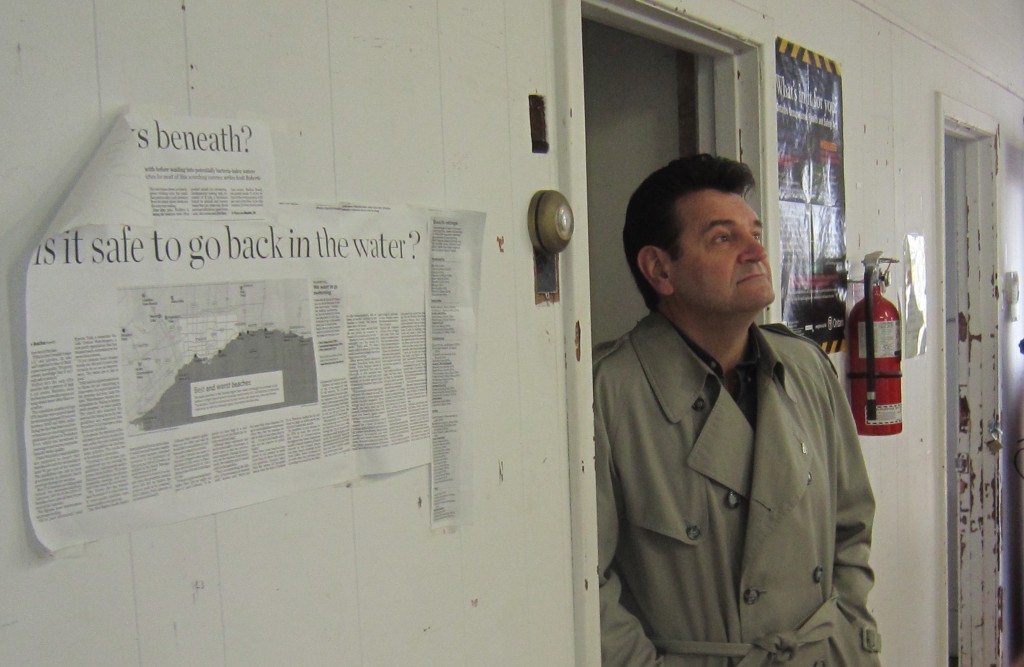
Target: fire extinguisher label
{"type": "Point", "coordinates": [887, 339]}
{"type": "Point", "coordinates": [885, 414]}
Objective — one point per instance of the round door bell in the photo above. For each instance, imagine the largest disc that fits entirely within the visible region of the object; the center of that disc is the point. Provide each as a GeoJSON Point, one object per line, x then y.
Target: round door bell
{"type": "Point", "coordinates": [550, 221]}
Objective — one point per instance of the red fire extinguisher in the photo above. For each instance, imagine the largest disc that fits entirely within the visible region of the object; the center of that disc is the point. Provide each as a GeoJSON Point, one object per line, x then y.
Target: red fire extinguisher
{"type": "Point", "coordinates": [876, 374]}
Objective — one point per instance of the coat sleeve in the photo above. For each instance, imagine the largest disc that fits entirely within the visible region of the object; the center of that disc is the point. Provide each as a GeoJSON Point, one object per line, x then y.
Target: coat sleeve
{"type": "Point", "coordinates": [623, 641]}
{"type": "Point", "coordinates": [853, 577]}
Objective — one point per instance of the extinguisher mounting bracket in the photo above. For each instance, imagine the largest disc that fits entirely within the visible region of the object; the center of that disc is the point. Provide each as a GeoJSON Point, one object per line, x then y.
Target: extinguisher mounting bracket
{"type": "Point", "coordinates": [876, 270]}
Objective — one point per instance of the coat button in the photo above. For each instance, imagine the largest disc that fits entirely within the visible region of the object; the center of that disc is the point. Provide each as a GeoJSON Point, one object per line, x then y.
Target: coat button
{"type": "Point", "coordinates": [809, 476]}
{"type": "Point", "coordinates": [732, 500]}
{"type": "Point", "coordinates": [751, 595]}
{"type": "Point", "coordinates": [693, 532]}
{"type": "Point", "coordinates": [818, 572]}
{"type": "Point", "coordinates": [699, 403]}
{"type": "Point", "coordinates": [803, 447]}
{"type": "Point", "coordinates": [819, 663]}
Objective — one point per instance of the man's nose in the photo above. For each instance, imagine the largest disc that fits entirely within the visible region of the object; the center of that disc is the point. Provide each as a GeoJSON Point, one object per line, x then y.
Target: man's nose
{"type": "Point", "coordinates": [754, 251]}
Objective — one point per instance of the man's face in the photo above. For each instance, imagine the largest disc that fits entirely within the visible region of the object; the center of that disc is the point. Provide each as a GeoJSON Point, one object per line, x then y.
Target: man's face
{"type": "Point", "coordinates": [722, 272]}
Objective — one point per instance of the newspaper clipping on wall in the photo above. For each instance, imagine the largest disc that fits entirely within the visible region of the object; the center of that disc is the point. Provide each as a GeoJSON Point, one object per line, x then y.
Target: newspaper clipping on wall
{"type": "Point", "coordinates": [216, 351]}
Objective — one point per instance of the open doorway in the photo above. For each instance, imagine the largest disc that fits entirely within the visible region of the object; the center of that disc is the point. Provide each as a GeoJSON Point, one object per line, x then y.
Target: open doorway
{"type": "Point", "coordinates": [973, 429]}
{"type": "Point", "coordinates": [641, 103]}
{"type": "Point", "coordinates": [656, 88]}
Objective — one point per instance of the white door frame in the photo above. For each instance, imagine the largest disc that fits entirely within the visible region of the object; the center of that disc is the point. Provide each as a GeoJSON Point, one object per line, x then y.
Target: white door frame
{"type": "Point", "coordinates": [733, 67]}
{"type": "Point", "coordinates": [972, 344]}
{"type": "Point", "coordinates": [740, 69]}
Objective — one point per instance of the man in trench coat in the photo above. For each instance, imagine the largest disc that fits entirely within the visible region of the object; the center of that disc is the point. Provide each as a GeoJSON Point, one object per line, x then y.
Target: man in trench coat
{"type": "Point", "coordinates": [734, 508]}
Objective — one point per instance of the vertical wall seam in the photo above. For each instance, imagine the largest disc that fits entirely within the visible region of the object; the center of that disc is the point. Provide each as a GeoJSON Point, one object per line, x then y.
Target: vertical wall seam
{"type": "Point", "coordinates": [135, 586]}
{"type": "Point", "coordinates": [220, 589]}
{"type": "Point", "coordinates": [188, 59]}
{"type": "Point", "coordinates": [330, 96]}
{"type": "Point", "coordinates": [96, 59]}
{"type": "Point", "coordinates": [358, 579]}
{"type": "Point", "coordinates": [440, 102]}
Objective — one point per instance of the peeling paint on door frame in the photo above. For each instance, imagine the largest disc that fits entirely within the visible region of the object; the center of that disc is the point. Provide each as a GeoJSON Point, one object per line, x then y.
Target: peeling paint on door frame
{"type": "Point", "coordinates": [978, 472]}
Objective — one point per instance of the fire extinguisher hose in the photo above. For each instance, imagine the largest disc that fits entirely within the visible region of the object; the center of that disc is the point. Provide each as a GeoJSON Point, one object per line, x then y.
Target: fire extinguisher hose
{"type": "Point", "coordinates": [869, 341]}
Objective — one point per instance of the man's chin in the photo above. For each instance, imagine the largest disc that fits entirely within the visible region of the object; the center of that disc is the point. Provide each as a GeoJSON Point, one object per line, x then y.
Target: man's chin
{"type": "Point", "coordinates": [759, 302]}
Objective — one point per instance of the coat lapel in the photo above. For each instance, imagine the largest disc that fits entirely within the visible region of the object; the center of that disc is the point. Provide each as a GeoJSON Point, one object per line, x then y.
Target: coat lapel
{"type": "Point", "coordinates": [781, 466]}
{"type": "Point", "coordinates": [777, 473]}
{"type": "Point", "coordinates": [722, 450]}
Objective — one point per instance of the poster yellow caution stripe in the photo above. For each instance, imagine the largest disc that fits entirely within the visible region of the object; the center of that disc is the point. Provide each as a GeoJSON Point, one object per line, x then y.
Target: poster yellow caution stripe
{"type": "Point", "coordinates": [830, 346]}
{"type": "Point", "coordinates": [807, 56]}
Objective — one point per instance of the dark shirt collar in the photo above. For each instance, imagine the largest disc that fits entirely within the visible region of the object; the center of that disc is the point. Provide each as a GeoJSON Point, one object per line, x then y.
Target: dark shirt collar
{"type": "Point", "coordinates": [747, 364]}
{"type": "Point", "coordinates": [746, 370]}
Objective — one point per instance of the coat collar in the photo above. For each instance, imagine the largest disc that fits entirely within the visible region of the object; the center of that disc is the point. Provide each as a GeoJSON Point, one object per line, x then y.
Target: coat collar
{"type": "Point", "coordinates": [776, 475]}
{"type": "Point", "coordinates": [678, 385]}
{"type": "Point", "coordinates": [675, 385]}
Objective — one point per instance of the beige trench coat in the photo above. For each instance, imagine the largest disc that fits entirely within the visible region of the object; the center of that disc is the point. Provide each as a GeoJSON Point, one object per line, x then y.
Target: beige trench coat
{"type": "Point", "coordinates": [719, 546]}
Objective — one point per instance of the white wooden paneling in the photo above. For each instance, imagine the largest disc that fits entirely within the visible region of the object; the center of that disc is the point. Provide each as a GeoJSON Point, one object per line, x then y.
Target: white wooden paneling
{"type": "Point", "coordinates": [407, 576]}
{"type": "Point", "coordinates": [871, 225]}
{"type": "Point", "coordinates": [48, 108]}
{"type": "Point", "coordinates": [985, 35]}
{"type": "Point", "coordinates": [476, 110]}
{"type": "Point", "coordinates": [271, 61]}
{"type": "Point", "coordinates": [544, 526]}
{"type": "Point", "coordinates": [141, 55]}
{"type": "Point", "coordinates": [47, 609]}
{"type": "Point", "coordinates": [287, 581]}
{"type": "Point", "coordinates": [385, 82]}
{"type": "Point", "coordinates": [71, 609]}
{"type": "Point", "coordinates": [176, 584]}
{"type": "Point", "coordinates": [380, 102]}
{"type": "Point", "coordinates": [479, 109]}
{"type": "Point", "coordinates": [915, 467]}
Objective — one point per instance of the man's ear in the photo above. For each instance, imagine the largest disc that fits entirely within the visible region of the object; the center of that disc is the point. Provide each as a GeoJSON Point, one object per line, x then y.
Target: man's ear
{"type": "Point", "coordinates": [654, 264]}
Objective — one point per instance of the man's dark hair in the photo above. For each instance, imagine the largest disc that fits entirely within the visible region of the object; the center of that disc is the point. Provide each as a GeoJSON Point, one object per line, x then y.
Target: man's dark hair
{"type": "Point", "coordinates": [651, 213]}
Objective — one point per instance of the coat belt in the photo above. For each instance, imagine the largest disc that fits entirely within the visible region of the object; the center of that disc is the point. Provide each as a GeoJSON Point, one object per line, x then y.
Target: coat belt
{"type": "Point", "coordinates": [775, 647]}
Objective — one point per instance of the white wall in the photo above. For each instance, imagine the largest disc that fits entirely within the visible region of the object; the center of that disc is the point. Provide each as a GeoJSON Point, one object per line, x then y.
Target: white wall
{"type": "Point", "coordinates": [423, 103]}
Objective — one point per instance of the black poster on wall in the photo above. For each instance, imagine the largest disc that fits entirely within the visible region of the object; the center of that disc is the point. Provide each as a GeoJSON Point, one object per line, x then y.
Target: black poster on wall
{"type": "Point", "coordinates": [812, 198]}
